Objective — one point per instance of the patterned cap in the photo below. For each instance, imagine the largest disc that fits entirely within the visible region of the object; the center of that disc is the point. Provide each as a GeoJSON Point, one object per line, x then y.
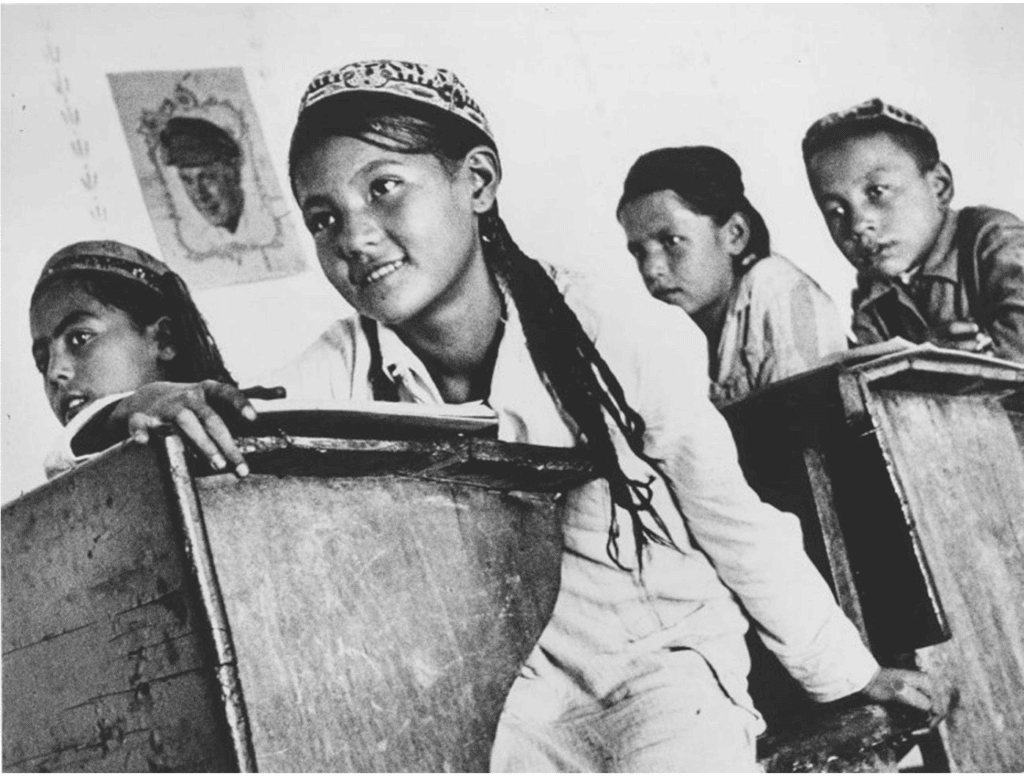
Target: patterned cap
{"type": "Point", "coordinates": [871, 114]}
{"type": "Point", "coordinates": [107, 257]}
{"type": "Point", "coordinates": [422, 83]}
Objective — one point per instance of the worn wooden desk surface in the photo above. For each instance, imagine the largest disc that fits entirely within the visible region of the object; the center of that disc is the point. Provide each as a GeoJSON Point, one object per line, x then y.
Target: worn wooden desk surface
{"type": "Point", "coordinates": [352, 605]}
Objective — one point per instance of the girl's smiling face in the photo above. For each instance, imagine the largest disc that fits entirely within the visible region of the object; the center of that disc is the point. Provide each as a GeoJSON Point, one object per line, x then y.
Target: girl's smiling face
{"type": "Point", "coordinates": [86, 350]}
{"type": "Point", "coordinates": [396, 233]}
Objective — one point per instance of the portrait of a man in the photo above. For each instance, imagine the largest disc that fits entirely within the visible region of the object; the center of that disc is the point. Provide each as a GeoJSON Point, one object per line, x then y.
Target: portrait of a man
{"type": "Point", "coordinates": [206, 176]}
{"type": "Point", "coordinates": [209, 164]}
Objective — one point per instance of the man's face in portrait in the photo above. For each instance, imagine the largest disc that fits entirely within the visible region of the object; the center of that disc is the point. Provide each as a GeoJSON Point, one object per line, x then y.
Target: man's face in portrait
{"type": "Point", "coordinates": [209, 163]}
{"type": "Point", "coordinates": [215, 188]}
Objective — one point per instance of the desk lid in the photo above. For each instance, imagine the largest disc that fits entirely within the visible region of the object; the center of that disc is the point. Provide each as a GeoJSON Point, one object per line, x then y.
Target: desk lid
{"type": "Point", "coordinates": [370, 420]}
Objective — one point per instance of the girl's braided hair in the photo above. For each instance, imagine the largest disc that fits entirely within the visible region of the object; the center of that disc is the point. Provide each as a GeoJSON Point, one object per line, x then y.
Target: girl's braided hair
{"type": "Point", "coordinates": [582, 382]}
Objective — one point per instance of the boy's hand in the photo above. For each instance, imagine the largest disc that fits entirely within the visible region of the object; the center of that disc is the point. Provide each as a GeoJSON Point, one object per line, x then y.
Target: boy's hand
{"type": "Point", "coordinates": [194, 409]}
{"type": "Point", "coordinates": [962, 335]}
{"type": "Point", "coordinates": [911, 688]}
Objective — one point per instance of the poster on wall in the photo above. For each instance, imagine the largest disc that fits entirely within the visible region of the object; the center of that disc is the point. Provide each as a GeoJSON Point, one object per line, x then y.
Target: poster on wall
{"type": "Point", "coordinates": [206, 176]}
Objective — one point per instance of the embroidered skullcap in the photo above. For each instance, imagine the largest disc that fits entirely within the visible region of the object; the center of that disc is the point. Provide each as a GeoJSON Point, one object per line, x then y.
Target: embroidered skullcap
{"type": "Point", "coordinates": [433, 86]}
{"type": "Point", "coordinates": [875, 114]}
{"type": "Point", "coordinates": [104, 257]}
{"type": "Point", "coordinates": [192, 142]}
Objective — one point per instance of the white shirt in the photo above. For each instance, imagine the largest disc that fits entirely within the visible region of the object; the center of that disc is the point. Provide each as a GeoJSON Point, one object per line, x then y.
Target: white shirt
{"type": "Point", "coordinates": [61, 458]}
{"type": "Point", "coordinates": [731, 545]}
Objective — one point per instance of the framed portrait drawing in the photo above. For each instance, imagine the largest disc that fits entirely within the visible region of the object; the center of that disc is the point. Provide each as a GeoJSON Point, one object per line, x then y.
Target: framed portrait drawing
{"type": "Point", "coordinates": [206, 176]}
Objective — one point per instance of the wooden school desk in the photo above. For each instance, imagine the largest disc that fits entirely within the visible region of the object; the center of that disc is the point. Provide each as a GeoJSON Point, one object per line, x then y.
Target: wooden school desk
{"type": "Point", "coordinates": [908, 475]}
{"type": "Point", "coordinates": [352, 605]}
{"type": "Point", "coordinates": [346, 607]}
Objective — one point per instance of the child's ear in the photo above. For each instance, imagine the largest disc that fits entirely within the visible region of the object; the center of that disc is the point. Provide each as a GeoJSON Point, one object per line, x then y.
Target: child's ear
{"type": "Point", "coordinates": [485, 172]}
{"type": "Point", "coordinates": [940, 178]}
{"type": "Point", "coordinates": [162, 335]}
{"type": "Point", "coordinates": [735, 234]}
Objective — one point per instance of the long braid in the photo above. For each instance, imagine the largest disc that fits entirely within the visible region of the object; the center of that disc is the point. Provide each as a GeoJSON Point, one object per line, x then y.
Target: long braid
{"type": "Point", "coordinates": [581, 380]}
{"type": "Point", "coordinates": [198, 356]}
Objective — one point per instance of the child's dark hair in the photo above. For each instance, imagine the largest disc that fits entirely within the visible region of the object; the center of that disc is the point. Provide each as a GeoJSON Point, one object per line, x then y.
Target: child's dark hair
{"type": "Point", "coordinates": [709, 182]}
{"type": "Point", "coordinates": [196, 354]}
{"type": "Point", "coordinates": [582, 382]}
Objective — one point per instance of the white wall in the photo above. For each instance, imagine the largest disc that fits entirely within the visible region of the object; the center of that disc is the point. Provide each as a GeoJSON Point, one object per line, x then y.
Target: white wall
{"type": "Point", "coordinates": [574, 93]}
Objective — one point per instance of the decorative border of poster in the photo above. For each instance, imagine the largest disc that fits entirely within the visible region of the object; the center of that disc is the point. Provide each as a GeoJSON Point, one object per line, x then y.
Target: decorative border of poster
{"type": "Point", "coordinates": [206, 176]}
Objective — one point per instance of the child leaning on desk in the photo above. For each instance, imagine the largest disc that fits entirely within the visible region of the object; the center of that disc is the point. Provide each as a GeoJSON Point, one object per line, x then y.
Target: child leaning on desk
{"type": "Point", "coordinates": [643, 665]}
{"type": "Point", "coordinates": [701, 245]}
{"type": "Point", "coordinates": [107, 318]}
{"type": "Point", "coordinates": [925, 271]}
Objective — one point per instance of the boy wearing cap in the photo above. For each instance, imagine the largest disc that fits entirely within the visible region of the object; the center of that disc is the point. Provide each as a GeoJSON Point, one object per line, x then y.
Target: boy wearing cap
{"type": "Point", "coordinates": [925, 271]}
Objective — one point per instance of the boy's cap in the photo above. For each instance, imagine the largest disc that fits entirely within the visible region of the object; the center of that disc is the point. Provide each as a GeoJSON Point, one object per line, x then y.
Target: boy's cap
{"type": "Point", "coordinates": [873, 113]}
{"type": "Point", "coordinates": [424, 84]}
{"type": "Point", "coordinates": [104, 257]}
{"type": "Point", "coordinates": [192, 142]}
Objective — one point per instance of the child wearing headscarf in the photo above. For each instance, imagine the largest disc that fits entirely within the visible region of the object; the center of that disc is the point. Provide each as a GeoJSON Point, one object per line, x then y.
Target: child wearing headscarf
{"type": "Point", "coordinates": [643, 665]}
{"type": "Point", "coordinates": [107, 318]}
{"type": "Point", "coordinates": [701, 245]}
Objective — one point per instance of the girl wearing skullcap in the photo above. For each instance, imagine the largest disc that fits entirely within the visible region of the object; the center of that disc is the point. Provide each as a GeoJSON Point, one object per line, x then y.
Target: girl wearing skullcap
{"type": "Point", "coordinates": [643, 664]}
{"type": "Point", "coordinates": [107, 318]}
{"type": "Point", "coordinates": [701, 245]}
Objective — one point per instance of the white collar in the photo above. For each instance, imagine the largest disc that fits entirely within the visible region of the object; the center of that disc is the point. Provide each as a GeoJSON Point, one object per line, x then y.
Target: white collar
{"type": "Point", "coordinates": [401, 364]}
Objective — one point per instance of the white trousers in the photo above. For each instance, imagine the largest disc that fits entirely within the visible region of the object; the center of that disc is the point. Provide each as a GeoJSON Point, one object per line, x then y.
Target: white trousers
{"type": "Point", "coordinates": [669, 716]}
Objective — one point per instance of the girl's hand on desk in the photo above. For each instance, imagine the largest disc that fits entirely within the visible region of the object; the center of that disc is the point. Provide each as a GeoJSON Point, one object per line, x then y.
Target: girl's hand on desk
{"type": "Point", "coordinates": [911, 688]}
{"type": "Point", "coordinates": [195, 410]}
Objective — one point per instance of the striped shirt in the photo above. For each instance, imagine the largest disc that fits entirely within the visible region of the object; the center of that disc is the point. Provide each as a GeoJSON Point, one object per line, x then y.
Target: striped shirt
{"type": "Point", "coordinates": [778, 323]}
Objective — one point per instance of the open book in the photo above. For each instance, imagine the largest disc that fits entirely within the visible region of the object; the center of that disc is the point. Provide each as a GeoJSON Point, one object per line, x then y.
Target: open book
{"type": "Point", "coordinates": [371, 420]}
{"type": "Point", "coordinates": [897, 348]}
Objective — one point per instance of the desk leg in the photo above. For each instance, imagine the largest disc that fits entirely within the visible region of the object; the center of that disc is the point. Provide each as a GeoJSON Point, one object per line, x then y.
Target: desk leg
{"type": "Point", "coordinates": [832, 534]}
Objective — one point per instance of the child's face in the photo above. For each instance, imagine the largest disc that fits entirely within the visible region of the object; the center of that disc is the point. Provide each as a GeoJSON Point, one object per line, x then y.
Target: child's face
{"type": "Point", "coordinates": [395, 233]}
{"type": "Point", "coordinates": [884, 214]}
{"type": "Point", "coordinates": [683, 257]}
{"type": "Point", "coordinates": [86, 350]}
